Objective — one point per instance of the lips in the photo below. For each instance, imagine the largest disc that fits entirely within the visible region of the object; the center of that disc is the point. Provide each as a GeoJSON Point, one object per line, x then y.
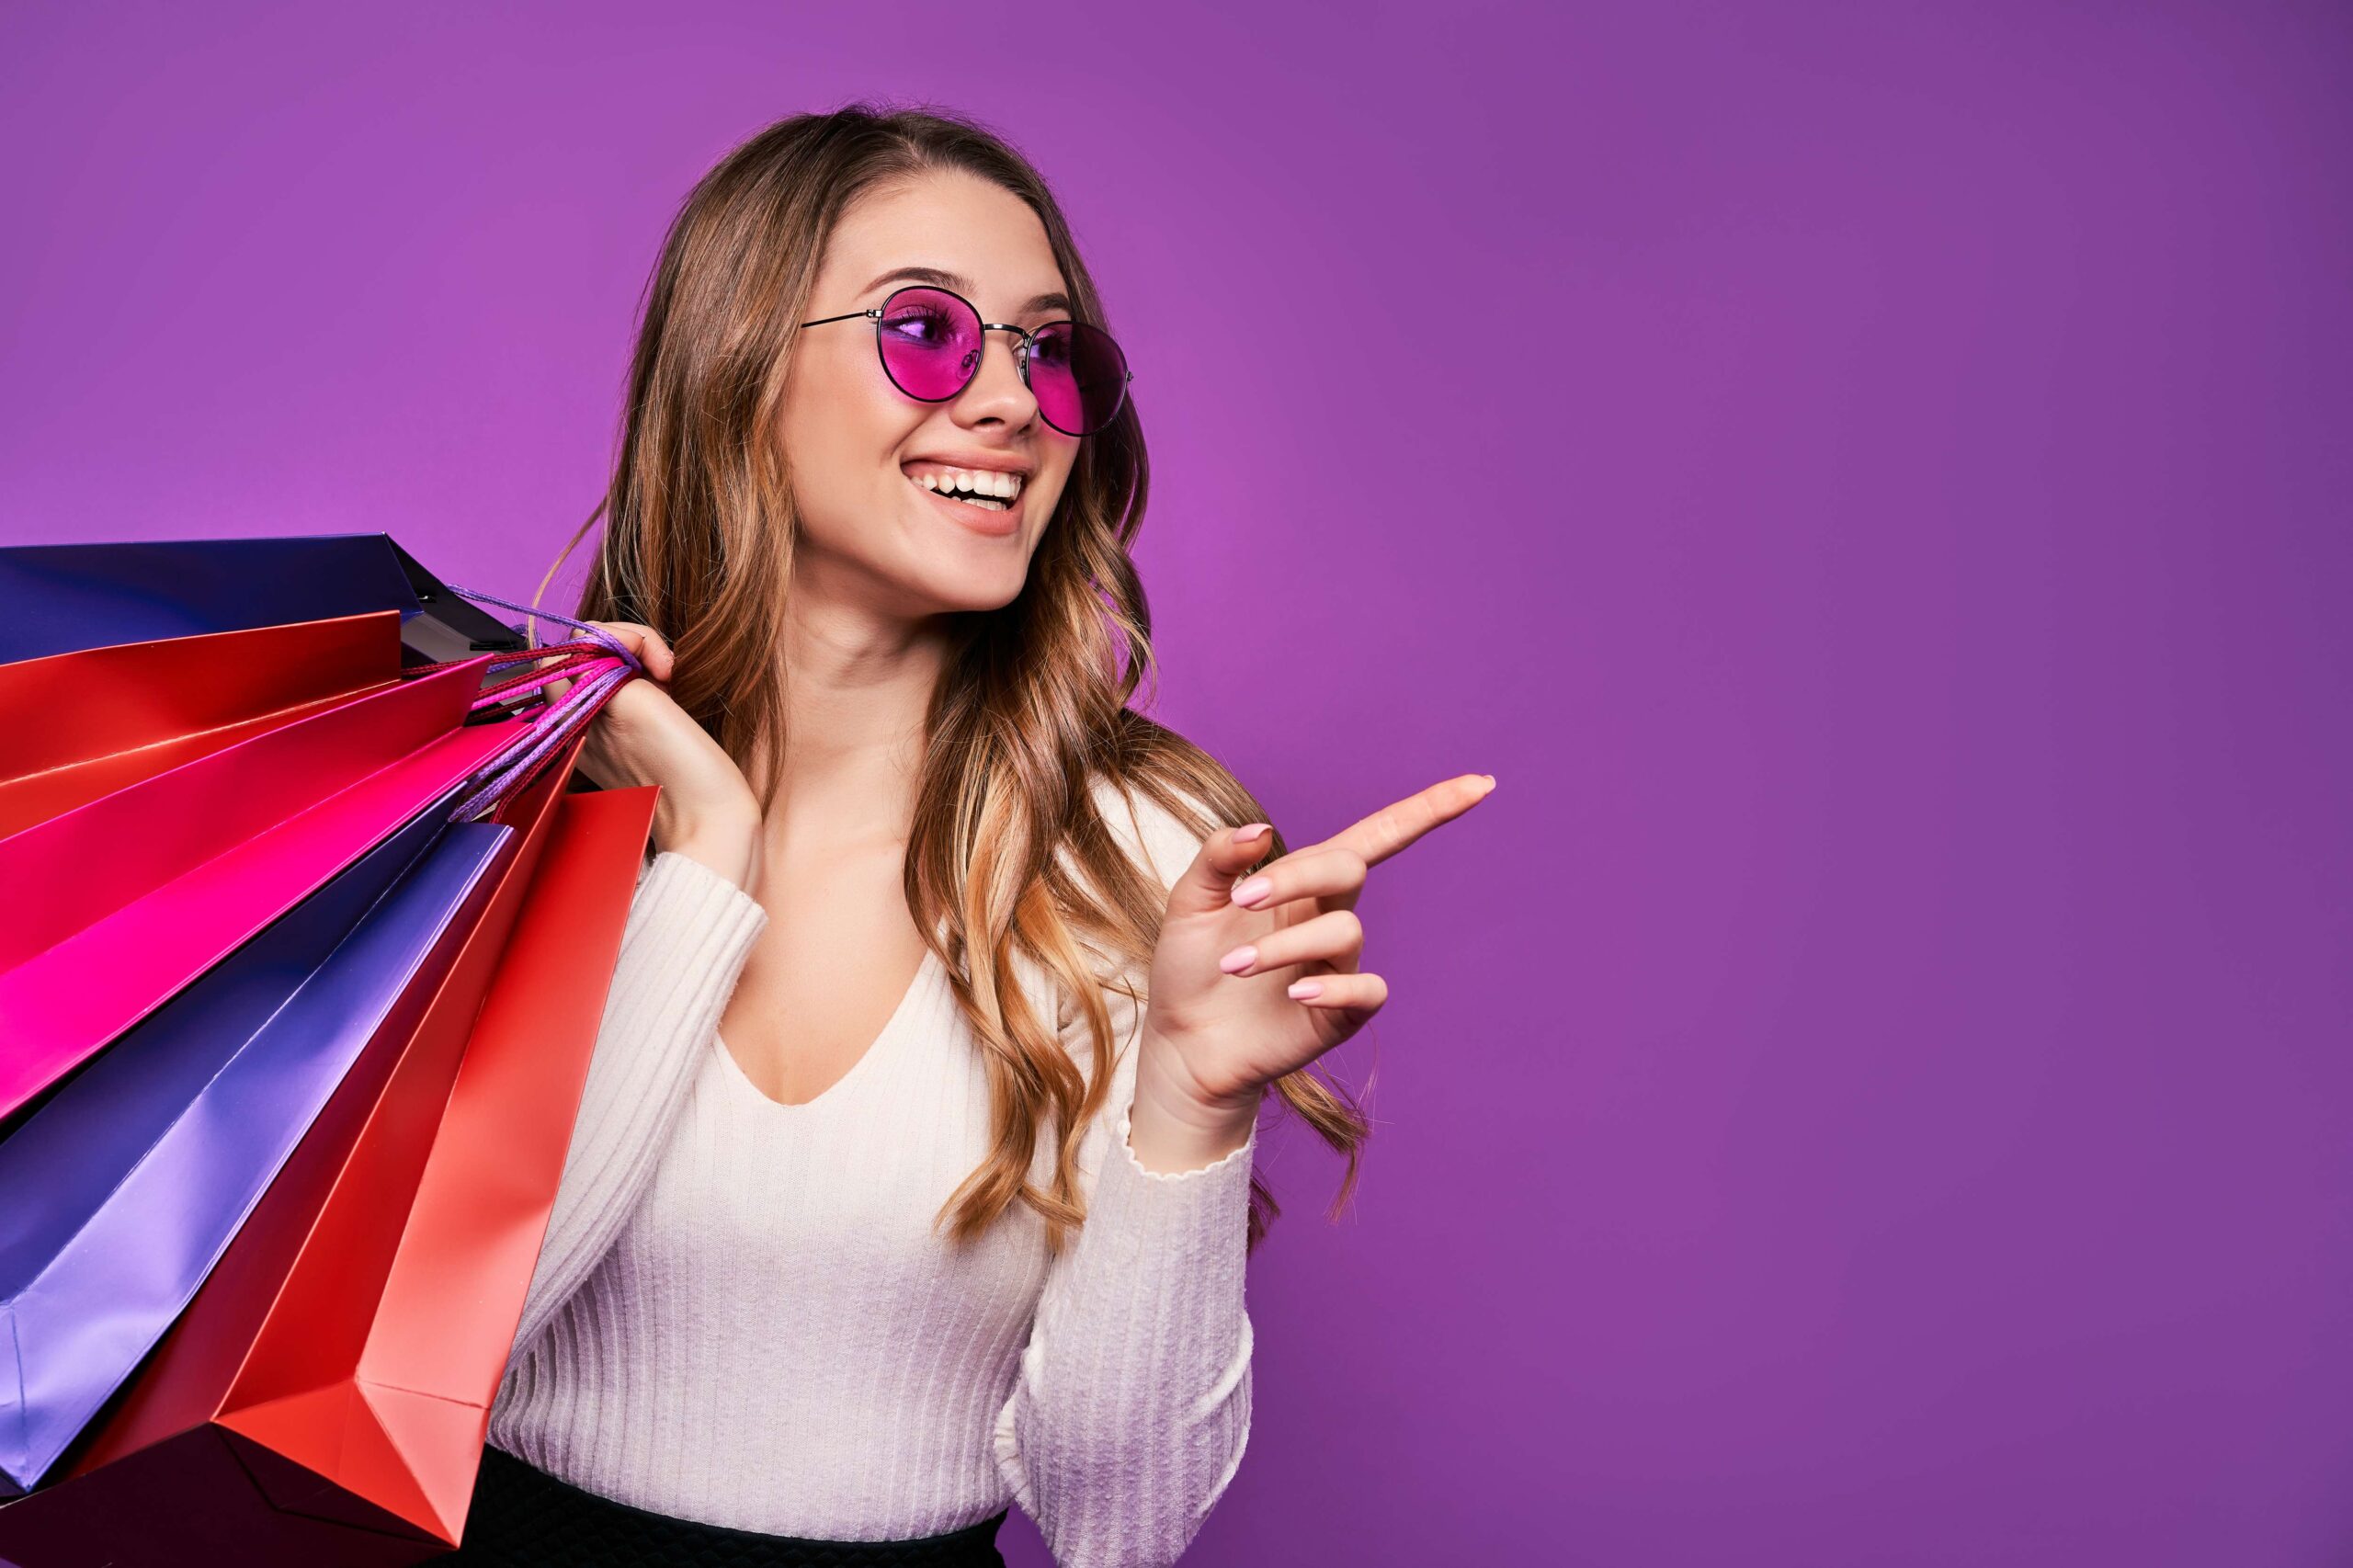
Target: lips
{"type": "Point", "coordinates": [980, 520]}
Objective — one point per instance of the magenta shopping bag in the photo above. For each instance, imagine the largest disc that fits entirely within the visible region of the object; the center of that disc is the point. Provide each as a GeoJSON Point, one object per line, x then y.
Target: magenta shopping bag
{"type": "Point", "coordinates": [136, 893]}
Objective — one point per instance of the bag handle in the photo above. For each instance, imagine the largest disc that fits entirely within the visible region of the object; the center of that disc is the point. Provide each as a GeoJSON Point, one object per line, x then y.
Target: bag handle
{"type": "Point", "coordinates": [598, 663]}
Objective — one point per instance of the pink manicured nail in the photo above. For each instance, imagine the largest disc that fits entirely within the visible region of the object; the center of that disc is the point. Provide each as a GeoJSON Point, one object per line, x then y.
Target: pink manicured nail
{"type": "Point", "coordinates": [1252, 891]}
{"type": "Point", "coordinates": [1250, 834]}
{"type": "Point", "coordinates": [1240, 958]}
{"type": "Point", "coordinates": [1300, 990]}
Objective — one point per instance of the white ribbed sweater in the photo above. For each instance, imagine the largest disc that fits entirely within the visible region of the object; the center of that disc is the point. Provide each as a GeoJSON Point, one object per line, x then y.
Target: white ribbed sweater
{"type": "Point", "coordinates": [741, 1314]}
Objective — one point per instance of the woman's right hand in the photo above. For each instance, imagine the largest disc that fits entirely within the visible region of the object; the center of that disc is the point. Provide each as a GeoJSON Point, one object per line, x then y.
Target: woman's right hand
{"type": "Point", "coordinates": [706, 811]}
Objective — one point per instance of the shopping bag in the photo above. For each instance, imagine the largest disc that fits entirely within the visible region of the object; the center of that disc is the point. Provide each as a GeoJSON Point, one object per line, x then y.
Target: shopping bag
{"type": "Point", "coordinates": [55, 598]}
{"type": "Point", "coordinates": [146, 886]}
{"type": "Point", "coordinates": [326, 1396]}
{"type": "Point", "coordinates": [83, 724]}
{"type": "Point", "coordinates": [132, 1179]}
{"type": "Point", "coordinates": [143, 890]}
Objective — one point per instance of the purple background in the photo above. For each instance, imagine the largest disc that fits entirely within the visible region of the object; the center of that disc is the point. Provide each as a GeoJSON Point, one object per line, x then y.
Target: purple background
{"type": "Point", "coordinates": [1872, 1085]}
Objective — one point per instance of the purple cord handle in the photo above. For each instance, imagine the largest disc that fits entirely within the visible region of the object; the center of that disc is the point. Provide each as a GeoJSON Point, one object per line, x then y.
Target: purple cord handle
{"type": "Point", "coordinates": [596, 633]}
{"type": "Point", "coordinates": [593, 683]}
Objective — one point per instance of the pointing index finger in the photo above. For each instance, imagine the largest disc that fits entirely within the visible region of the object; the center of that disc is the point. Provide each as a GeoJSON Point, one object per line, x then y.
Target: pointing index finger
{"type": "Point", "coordinates": [1393, 827]}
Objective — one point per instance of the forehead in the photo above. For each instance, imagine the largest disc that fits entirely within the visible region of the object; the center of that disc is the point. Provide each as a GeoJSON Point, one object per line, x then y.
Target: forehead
{"type": "Point", "coordinates": [977, 238]}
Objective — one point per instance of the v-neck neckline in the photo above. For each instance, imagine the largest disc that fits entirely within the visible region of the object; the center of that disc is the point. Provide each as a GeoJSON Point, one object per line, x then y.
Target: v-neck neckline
{"type": "Point", "coordinates": [834, 1090]}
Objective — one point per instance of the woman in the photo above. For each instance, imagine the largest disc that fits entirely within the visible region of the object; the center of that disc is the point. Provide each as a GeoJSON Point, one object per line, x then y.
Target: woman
{"type": "Point", "coordinates": [846, 1263]}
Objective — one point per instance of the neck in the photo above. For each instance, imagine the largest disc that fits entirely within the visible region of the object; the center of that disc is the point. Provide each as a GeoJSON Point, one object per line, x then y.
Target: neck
{"type": "Point", "coordinates": [857, 688]}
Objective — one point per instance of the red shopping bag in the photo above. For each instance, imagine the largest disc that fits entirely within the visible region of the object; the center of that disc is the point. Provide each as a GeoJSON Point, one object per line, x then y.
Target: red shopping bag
{"type": "Point", "coordinates": [86, 723]}
{"type": "Point", "coordinates": [326, 1397]}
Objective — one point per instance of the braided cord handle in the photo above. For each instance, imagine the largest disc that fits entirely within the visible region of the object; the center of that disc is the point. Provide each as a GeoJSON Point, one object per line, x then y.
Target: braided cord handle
{"type": "Point", "coordinates": [598, 663]}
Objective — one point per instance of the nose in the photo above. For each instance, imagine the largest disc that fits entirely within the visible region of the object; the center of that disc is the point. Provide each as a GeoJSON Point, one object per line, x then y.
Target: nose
{"type": "Point", "coordinates": [1001, 392]}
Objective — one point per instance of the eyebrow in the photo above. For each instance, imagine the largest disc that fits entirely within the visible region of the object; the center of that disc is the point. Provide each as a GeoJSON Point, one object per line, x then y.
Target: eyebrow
{"type": "Point", "coordinates": [944, 279]}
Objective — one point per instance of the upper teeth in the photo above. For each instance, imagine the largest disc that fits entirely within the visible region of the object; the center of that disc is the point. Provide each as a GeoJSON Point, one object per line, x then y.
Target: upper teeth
{"type": "Point", "coordinates": [1003, 486]}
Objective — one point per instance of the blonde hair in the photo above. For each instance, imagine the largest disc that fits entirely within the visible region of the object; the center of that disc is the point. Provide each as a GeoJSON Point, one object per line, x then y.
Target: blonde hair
{"type": "Point", "coordinates": [1034, 704]}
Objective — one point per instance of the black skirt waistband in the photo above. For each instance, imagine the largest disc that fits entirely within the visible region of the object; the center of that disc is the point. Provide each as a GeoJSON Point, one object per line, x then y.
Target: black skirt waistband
{"type": "Point", "coordinates": [523, 1518]}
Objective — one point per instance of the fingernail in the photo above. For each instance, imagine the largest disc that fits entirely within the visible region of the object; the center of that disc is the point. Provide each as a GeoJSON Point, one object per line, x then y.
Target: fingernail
{"type": "Point", "coordinates": [1251, 834]}
{"type": "Point", "coordinates": [1252, 891]}
{"type": "Point", "coordinates": [1491, 780]}
{"type": "Point", "coordinates": [1240, 958]}
{"type": "Point", "coordinates": [1300, 990]}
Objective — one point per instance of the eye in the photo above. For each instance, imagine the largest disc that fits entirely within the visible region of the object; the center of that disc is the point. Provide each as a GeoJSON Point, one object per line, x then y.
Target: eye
{"type": "Point", "coordinates": [1051, 346]}
{"type": "Point", "coordinates": [924, 325]}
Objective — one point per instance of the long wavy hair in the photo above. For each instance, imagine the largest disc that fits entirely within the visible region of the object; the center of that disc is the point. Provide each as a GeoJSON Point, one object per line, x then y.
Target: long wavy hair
{"type": "Point", "coordinates": [1034, 700]}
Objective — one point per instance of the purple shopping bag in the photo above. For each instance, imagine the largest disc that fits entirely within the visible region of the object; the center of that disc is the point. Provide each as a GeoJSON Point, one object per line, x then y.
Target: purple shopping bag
{"type": "Point", "coordinates": [56, 598]}
{"type": "Point", "coordinates": [126, 1186]}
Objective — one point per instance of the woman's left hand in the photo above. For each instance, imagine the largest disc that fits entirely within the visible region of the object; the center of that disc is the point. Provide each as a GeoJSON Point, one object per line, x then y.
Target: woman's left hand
{"type": "Point", "coordinates": [1225, 1014]}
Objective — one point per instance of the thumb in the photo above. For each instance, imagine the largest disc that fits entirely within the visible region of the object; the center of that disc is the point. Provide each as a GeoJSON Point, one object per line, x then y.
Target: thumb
{"type": "Point", "coordinates": [1225, 855]}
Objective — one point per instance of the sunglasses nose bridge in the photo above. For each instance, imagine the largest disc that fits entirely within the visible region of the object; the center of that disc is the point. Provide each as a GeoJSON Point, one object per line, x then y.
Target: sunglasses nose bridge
{"type": "Point", "coordinates": [1020, 343]}
{"type": "Point", "coordinates": [1019, 348]}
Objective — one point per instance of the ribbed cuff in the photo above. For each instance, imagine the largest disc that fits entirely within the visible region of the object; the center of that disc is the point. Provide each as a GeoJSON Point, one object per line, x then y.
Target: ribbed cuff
{"type": "Point", "coordinates": [1124, 1128]}
{"type": "Point", "coordinates": [1190, 1220]}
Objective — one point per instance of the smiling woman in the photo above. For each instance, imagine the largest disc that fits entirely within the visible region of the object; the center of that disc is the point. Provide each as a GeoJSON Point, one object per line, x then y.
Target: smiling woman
{"type": "Point", "coordinates": [843, 1259]}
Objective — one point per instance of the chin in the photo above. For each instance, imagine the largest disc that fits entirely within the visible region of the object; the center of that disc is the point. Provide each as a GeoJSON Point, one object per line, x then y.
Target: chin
{"type": "Point", "coordinates": [966, 592]}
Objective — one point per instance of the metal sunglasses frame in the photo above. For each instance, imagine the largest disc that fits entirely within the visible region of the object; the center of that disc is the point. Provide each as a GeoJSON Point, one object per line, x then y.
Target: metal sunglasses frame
{"type": "Point", "coordinates": [1024, 339]}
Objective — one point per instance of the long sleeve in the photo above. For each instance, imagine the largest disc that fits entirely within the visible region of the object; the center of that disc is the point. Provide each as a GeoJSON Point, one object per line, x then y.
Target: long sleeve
{"type": "Point", "coordinates": [1132, 1408]}
{"type": "Point", "coordinates": [689, 934]}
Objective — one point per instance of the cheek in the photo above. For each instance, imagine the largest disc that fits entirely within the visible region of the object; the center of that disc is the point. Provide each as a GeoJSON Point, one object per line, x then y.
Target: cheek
{"type": "Point", "coordinates": [1055, 491]}
{"type": "Point", "coordinates": [839, 437]}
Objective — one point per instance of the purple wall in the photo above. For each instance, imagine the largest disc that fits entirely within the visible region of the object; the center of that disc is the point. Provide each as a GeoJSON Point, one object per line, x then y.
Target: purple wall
{"type": "Point", "coordinates": [1871, 1086]}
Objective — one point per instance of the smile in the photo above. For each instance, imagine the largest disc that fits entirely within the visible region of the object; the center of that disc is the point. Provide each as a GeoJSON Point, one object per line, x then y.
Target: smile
{"type": "Point", "coordinates": [986, 502]}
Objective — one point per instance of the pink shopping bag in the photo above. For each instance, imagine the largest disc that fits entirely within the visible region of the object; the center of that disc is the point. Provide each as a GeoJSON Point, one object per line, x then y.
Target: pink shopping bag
{"type": "Point", "coordinates": [143, 889]}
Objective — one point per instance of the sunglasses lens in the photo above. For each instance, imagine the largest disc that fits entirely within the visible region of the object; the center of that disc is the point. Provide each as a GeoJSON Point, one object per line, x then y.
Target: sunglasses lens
{"type": "Point", "coordinates": [1078, 376]}
{"type": "Point", "coordinates": [931, 342]}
